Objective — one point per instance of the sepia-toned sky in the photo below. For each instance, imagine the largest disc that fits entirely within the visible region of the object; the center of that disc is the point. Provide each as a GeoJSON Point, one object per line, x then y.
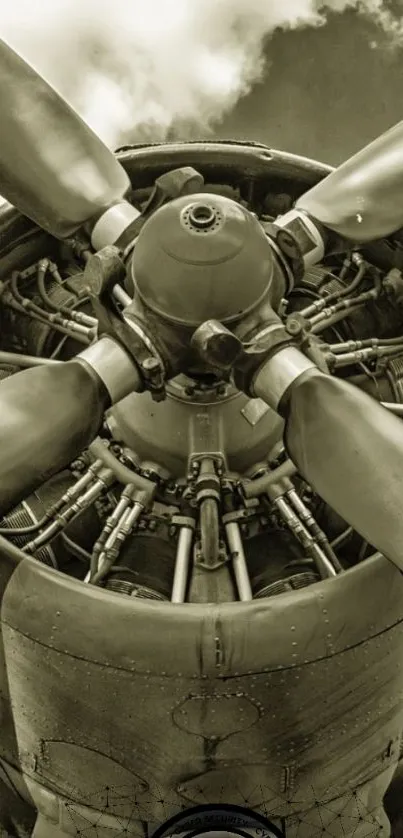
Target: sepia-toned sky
{"type": "Point", "coordinates": [139, 70]}
{"type": "Point", "coordinates": [327, 91]}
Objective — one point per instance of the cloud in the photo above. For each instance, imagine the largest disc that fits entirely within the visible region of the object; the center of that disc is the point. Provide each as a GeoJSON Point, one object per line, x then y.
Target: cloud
{"type": "Point", "coordinates": [139, 69]}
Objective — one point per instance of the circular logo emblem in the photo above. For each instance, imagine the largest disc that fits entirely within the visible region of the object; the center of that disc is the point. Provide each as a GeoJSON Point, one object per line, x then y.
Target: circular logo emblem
{"type": "Point", "coordinates": [218, 821]}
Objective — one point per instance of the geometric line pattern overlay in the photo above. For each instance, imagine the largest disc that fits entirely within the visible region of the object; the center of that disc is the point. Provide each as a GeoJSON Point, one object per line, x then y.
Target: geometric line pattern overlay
{"type": "Point", "coordinates": [348, 817]}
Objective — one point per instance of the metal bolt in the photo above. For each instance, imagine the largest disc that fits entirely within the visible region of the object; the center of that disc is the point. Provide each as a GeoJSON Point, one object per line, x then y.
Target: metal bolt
{"type": "Point", "coordinates": [150, 364]}
{"type": "Point", "coordinates": [293, 326]}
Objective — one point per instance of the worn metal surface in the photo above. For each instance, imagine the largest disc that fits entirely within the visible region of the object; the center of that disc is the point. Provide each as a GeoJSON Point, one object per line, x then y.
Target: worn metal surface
{"type": "Point", "coordinates": [291, 699]}
{"type": "Point", "coordinates": [288, 701]}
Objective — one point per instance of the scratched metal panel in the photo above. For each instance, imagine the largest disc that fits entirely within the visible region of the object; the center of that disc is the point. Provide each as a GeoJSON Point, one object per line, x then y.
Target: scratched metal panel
{"type": "Point", "coordinates": [236, 638]}
{"type": "Point", "coordinates": [180, 701]}
{"type": "Point", "coordinates": [8, 744]}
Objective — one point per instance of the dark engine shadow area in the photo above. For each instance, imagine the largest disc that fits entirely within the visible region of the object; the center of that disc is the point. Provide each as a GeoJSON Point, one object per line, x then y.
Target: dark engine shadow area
{"type": "Point", "coordinates": [393, 802]}
{"type": "Point", "coordinates": [17, 818]}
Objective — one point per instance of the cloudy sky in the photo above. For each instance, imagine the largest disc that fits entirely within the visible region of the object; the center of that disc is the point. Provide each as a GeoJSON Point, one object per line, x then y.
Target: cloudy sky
{"type": "Point", "coordinates": [291, 73]}
{"type": "Point", "coordinates": [326, 92]}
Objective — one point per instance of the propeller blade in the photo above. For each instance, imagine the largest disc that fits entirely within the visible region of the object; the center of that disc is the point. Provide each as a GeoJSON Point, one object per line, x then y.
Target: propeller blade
{"type": "Point", "coordinates": [362, 199]}
{"type": "Point", "coordinates": [49, 414]}
{"type": "Point", "coordinates": [53, 168]}
{"type": "Point", "coordinates": [349, 448]}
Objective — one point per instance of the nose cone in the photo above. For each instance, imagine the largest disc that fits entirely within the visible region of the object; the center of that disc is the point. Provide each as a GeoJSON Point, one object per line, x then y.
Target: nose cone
{"type": "Point", "coordinates": [202, 257]}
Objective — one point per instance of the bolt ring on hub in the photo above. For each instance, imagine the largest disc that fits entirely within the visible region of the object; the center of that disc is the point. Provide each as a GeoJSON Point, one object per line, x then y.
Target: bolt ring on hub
{"type": "Point", "coordinates": [202, 215]}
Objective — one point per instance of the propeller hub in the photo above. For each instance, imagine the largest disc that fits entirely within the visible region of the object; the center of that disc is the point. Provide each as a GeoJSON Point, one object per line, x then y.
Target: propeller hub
{"type": "Point", "coordinates": [202, 257]}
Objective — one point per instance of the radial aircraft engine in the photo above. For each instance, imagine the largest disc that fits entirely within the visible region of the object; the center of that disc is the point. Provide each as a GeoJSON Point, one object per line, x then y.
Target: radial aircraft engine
{"type": "Point", "coordinates": [201, 478]}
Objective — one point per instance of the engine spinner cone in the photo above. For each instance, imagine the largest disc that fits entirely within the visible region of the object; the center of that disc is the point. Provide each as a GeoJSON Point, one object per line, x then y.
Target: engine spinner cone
{"type": "Point", "coordinates": [202, 257]}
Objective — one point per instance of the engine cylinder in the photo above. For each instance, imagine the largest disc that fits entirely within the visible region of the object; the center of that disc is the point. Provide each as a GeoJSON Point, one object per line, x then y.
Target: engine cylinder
{"type": "Point", "coordinates": [146, 567]}
{"type": "Point", "coordinates": [277, 564]}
